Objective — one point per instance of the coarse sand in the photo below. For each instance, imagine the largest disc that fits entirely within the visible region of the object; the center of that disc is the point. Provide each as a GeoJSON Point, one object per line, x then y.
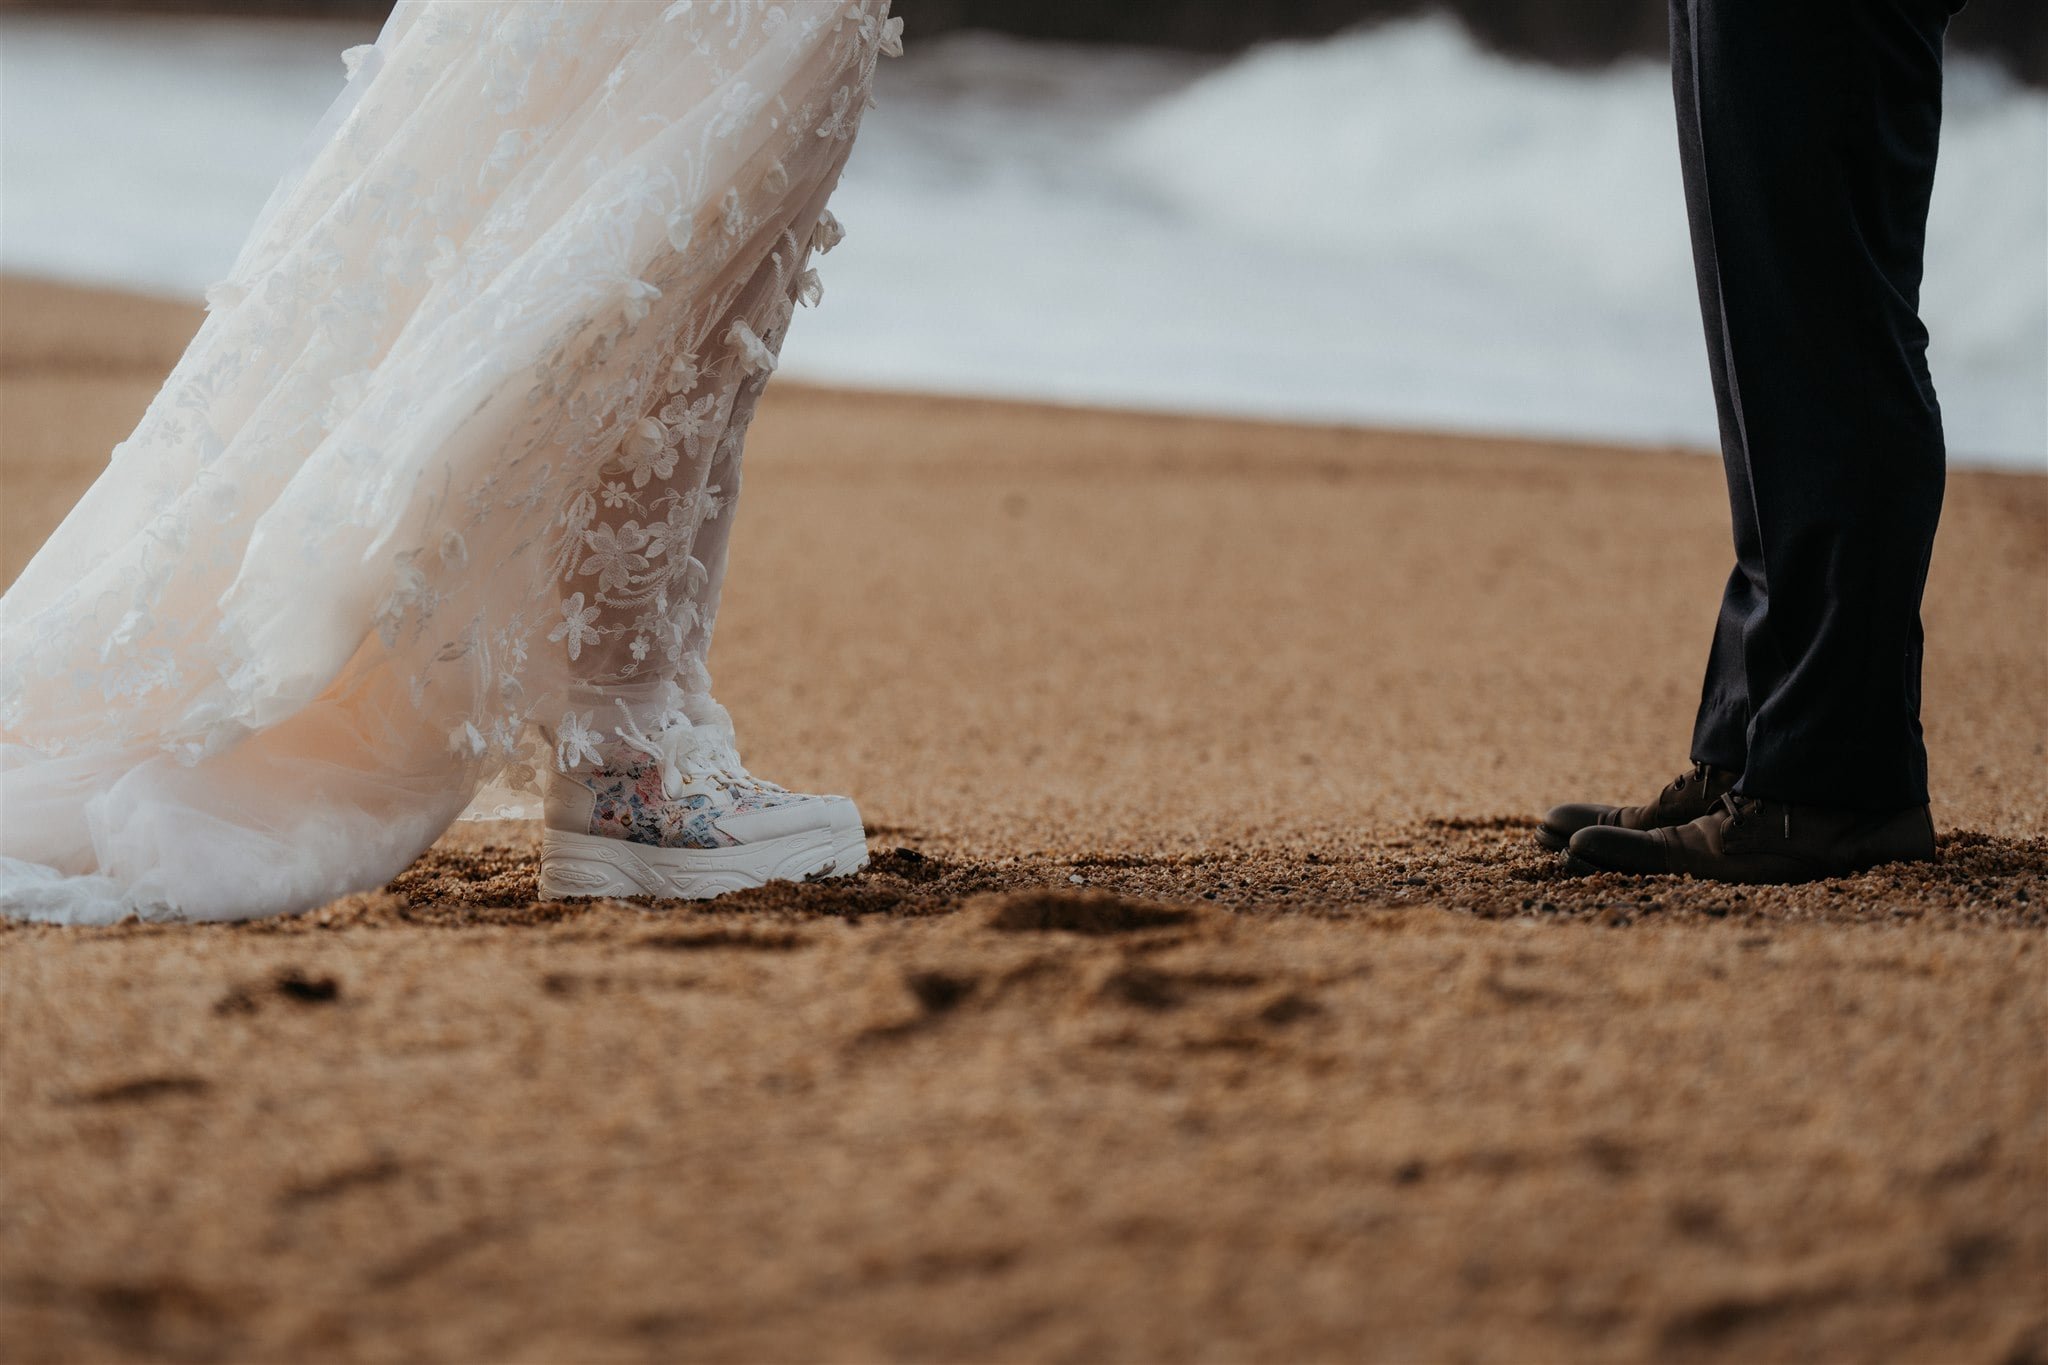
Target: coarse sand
{"type": "Point", "coordinates": [1206, 998]}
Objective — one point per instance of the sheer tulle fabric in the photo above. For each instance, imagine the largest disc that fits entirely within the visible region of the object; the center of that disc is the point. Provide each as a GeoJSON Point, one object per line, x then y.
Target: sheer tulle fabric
{"type": "Point", "coordinates": [454, 455]}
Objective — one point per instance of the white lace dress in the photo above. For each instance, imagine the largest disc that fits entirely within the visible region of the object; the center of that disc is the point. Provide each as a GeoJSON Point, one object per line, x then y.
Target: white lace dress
{"type": "Point", "coordinates": [452, 461]}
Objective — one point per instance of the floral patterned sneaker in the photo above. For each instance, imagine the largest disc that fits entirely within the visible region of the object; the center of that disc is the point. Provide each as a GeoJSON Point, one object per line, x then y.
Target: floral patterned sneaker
{"type": "Point", "coordinates": [677, 816]}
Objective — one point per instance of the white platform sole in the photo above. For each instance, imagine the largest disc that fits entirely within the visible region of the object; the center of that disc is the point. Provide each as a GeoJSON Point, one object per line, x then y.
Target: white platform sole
{"type": "Point", "coordinates": [592, 865]}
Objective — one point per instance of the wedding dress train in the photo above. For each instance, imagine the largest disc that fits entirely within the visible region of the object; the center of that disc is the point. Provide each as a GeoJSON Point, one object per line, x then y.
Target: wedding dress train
{"type": "Point", "coordinates": [452, 459]}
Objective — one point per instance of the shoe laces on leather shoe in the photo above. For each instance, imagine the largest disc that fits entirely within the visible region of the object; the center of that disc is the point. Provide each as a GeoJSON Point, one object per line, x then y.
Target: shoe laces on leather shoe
{"type": "Point", "coordinates": [1698, 773]}
{"type": "Point", "coordinates": [1755, 813]}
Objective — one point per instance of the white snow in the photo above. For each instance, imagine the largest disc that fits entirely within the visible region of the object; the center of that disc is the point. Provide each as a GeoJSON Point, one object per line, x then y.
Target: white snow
{"type": "Point", "coordinates": [1387, 227]}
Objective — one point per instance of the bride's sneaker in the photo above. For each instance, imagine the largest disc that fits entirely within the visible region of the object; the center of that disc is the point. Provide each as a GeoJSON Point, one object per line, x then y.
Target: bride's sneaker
{"type": "Point", "coordinates": [676, 816]}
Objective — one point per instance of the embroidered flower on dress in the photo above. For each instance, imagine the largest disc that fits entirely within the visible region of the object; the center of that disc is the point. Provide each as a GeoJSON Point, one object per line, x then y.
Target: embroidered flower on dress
{"type": "Point", "coordinates": [674, 531]}
{"type": "Point", "coordinates": [647, 453]}
{"type": "Point", "coordinates": [614, 556]}
{"type": "Point", "coordinates": [841, 121]}
{"type": "Point", "coordinates": [692, 424]}
{"type": "Point", "coordinates": [885, 34]}
{"type": "Point", "coordinates": [754, 355]}
{"type": "Point", "coordinates": [682, 374]}
{"type": "Point", "coordinates": [224, 296]}
{"type": "Point", "coordinates": [828, 234]}
{"type": "Point", "coordinates": [575, 626]}
{"type": "Point", "coordinates": [737, 108]}
{"type": "Point", "coordinates": [703, 506]}
{"type": "Point", "coordinates": [640, 296]}
{"type": "Point", "coordinates": [512, 643]}
{"type": "Point", "coordinates": [682, 230]}
{"type": "Point", "coordinates": [575, 741]}
{"type": "Point", "coordinates": [688, 577]}
{"type": "Point", "coordinates": [467, 741]}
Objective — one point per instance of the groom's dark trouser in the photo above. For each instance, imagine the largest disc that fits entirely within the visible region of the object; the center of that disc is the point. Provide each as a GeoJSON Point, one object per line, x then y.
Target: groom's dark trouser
{"type": "Point", "coordinates": [1808, 130]}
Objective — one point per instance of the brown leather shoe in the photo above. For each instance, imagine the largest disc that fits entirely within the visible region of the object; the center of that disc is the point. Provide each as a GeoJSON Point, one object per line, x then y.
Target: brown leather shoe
{"type": "Point", "coordinates": [1743, 839]}
{"type": "Point", "coordinates": [1688, 796]}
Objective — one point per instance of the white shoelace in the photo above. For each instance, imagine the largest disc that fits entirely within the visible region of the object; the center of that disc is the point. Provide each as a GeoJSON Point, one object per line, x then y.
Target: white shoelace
{"type": "Point", "coordinates": [682, 750]}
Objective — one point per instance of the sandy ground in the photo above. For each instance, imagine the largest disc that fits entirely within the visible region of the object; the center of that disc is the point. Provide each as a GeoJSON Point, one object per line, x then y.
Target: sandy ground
{"type": "Point", "coordinates": [1206, 999]}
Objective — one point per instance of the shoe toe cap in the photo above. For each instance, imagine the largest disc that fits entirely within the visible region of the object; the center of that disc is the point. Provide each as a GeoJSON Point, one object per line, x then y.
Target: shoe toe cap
{"type": "Point", "coordinates": [805, 815]}
{"type": "Point", "coordinates": [1565, 821]}
{"type": "Point", "coordinates": [1609, 848]}
{"type": "Point", "coordinates": [846, 817]}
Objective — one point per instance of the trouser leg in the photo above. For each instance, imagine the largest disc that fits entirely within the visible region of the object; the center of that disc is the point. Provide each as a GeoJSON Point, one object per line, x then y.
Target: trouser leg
{"type": "Point", "coordinates": [1808, 134]}
{"type": "Point", "coordinates": [1721, 731]}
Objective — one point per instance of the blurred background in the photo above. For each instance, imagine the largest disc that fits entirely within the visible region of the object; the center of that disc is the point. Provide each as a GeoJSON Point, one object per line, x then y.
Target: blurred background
{"type": "Point", "coordinates": [1460, 215]}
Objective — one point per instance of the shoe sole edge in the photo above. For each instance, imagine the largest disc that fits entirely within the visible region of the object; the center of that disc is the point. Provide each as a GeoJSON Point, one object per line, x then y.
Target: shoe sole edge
{"type": "Point", "coordinates": [1575, 866]}
{"type": "Point", "coordinates": [583, 865]}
